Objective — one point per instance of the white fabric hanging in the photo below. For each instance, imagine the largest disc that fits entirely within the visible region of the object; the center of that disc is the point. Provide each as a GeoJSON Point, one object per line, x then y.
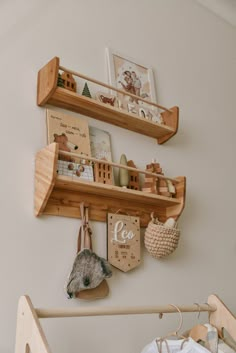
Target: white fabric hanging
{"type": "Point", "coordinates": [174, 346]}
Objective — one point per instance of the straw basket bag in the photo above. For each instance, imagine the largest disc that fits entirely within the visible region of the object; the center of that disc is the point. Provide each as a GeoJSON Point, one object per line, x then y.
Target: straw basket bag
{"type": "Point", "coordinates": [161, 240]}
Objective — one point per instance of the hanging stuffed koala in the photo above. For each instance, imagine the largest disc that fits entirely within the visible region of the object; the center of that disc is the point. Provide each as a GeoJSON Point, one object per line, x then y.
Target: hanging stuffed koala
{"type": "Point", "coordinates": [89, 270]}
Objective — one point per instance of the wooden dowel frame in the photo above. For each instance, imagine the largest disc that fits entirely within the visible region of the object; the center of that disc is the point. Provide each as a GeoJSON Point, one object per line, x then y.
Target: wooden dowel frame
{"type": "Point", "coordinates": [103, 161]}
{"type": "Point", "coordinates": [62, 68]}
{"type": "Point", "coordinates": [99, 311]}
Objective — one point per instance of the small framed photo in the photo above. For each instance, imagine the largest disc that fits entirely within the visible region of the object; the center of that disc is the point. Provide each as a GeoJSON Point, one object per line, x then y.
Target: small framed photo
{"type": "Point", "coordinates": [106, 98]}
{"type": "Point", "coordinates": [129, 75]}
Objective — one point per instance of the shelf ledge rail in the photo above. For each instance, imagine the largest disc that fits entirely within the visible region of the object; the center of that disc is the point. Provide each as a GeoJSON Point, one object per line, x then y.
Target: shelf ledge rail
{"type": "Point", "coordinates": [113, 88]}
{"type": "Point", "coordinates": [107, 311]}
{"type": "Point", "coordinates": [103, 161]}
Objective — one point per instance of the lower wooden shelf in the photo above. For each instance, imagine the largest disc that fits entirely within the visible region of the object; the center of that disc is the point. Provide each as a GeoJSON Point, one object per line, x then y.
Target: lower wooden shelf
{"type": "Point", "coordinates": [61, 195]}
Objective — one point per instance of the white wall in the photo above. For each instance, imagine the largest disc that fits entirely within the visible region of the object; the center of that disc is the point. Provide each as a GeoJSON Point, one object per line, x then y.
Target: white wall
{"type": "Point", "coordinates": [193, 56]}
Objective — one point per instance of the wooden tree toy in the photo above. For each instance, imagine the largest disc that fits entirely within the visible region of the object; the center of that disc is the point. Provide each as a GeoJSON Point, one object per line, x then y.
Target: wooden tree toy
{"type": "Point", "coordinates": [103, 173]}
{"type": "Point", "coordinates": [60, 81]}
{"type": "Point", "coordinates": [133, 177]}
{"type": "Point", "coordinates": [68, 81]}
{"type": "Point", "coordinates": [86, 91]}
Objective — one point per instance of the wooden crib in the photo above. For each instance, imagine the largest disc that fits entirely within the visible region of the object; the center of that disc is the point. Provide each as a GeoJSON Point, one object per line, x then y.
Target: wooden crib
{"type": "Point", "coordinates": [31, 338]}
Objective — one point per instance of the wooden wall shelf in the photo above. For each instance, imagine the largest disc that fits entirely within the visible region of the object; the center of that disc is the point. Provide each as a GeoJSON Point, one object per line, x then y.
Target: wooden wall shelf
{"type": "Point", "coordinates": [61, 195]}
{"type": "Point", "coordinates": [49, 93]}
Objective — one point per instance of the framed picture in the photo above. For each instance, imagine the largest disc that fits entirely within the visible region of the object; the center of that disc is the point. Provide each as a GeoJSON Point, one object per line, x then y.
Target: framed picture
{"type": "Point", "coordinates": [130, 75]}
{"type": "Point", "coordinates": [100, 143]}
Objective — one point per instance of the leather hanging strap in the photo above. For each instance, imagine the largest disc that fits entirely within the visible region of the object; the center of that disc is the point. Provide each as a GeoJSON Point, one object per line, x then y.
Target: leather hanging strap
{"type": "Point", "coordinates": [85, 233]}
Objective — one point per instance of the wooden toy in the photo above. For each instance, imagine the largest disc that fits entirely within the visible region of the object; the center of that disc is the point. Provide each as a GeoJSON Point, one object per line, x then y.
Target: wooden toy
{"type": "Point", "coordinates": [106, 98]}
{"type": "Point", "coordinates": [166, 188]}
{"type": "Point", "coordinates": [68, 81]}
{"type": "Point", "coordinates": [60, 82]}
{"type": "Point", "coordinates": [158, 186]}
{"type": "Point", "coordinates": [133, 177]}
{"type": "Point", "coordinates": [151, 183]}
{"type": "Point", "coordinates": [123, 173]}
{"type": "Point", "coordinates": [103, 173]}
{"type": "Point", "coordinates": [123, 241]}
{"type": "Point", "coordinates": [75, 170]}
{"type": "Point", "coordinates": [86, 91]}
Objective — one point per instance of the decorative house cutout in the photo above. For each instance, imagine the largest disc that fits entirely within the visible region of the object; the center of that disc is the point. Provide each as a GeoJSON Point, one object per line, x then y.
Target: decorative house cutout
{"type": "Point", "coordinates": [68, 81]}
{"type": "Point", "coordinates": [133, 177]}
{"type": "Point", "coordinates": [103, 173]}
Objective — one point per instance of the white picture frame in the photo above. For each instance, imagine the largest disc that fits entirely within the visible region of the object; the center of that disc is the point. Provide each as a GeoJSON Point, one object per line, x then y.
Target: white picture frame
{"type": "Point", "coordinates": [139, 81]}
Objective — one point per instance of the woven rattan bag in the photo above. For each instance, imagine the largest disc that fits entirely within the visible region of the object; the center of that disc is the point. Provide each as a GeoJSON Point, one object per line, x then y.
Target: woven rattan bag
{"type": "Point", "coordinates": [161, 240]}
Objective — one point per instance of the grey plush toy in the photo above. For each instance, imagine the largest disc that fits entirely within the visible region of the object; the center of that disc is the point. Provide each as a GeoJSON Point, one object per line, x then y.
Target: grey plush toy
{"type": "Point", "coordinates": [89, 269]}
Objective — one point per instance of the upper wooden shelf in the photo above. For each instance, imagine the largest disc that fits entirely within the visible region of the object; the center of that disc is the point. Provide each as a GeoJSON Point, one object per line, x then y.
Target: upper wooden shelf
{"type": "Point", "coordinates": [49, 93]}
{"type": "Point", "coordinates": [61, 195]}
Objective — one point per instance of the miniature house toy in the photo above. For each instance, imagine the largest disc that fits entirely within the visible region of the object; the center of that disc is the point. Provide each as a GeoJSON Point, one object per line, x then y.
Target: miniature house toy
{"type": "Point", "coordinates": [133, 177]}
{"type": "Point", "coordinates": [103, 173]}
{"type": "Point", "coordinates": [68, 81]}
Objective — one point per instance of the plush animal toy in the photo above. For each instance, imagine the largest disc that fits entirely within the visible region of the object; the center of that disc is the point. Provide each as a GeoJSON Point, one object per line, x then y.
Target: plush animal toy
{"type": "Point", "coordinates": [62, 140]}
{"type": "Point", "coordinates": [89, 269]}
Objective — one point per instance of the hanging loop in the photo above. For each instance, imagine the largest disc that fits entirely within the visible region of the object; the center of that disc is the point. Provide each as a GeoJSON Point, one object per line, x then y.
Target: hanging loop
{"type": "Point", "coordinates": [181, 319]}
{"type": "Point", "coordinates": [85, 233]}
{"type": "Point", "coordinates": [199, 312]}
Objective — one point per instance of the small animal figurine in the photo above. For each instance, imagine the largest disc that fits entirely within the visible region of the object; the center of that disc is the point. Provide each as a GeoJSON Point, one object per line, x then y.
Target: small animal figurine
{"type": "Point", "coordinates": [107, 100]}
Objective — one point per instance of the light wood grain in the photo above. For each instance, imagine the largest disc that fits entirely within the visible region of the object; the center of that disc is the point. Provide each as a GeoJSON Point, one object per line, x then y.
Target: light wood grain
{"type": "Point", "coordinates": [48, 92]}
{"type": "Point", "coordinates": [45, 176]}
{"type": "Point", "coordinates": [107, 311]}
{"type": "Point", "coordinates": [175, 211]}
{"type": "Point", "coordinates": [136, 98]}
{"type": "Point", "coordinates": [171, 120]}
{"type": "Point", "coordinates": [198, 332]}
{"type": "Point", "coordinates": [29, 333]}
{"type": "Point", "coordinates": [61, 195]}
{"type": "Point", "coordinates": [47, 81]}
{"type": "Point", "coordinates": [127, 167]}
{"type": "Point", "coordinates": [222, 317]}
{"type": "Point", "coordinates": [123, 253]}
{"type": "Point", "coordinates": [104, 112]}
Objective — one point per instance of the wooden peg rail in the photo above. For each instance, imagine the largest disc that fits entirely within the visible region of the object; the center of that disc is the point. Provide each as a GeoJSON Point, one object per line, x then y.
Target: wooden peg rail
{"type": "Point", "coordinates": [61, 195]}
{"type": "Point", "coordinates": [49, 93]}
